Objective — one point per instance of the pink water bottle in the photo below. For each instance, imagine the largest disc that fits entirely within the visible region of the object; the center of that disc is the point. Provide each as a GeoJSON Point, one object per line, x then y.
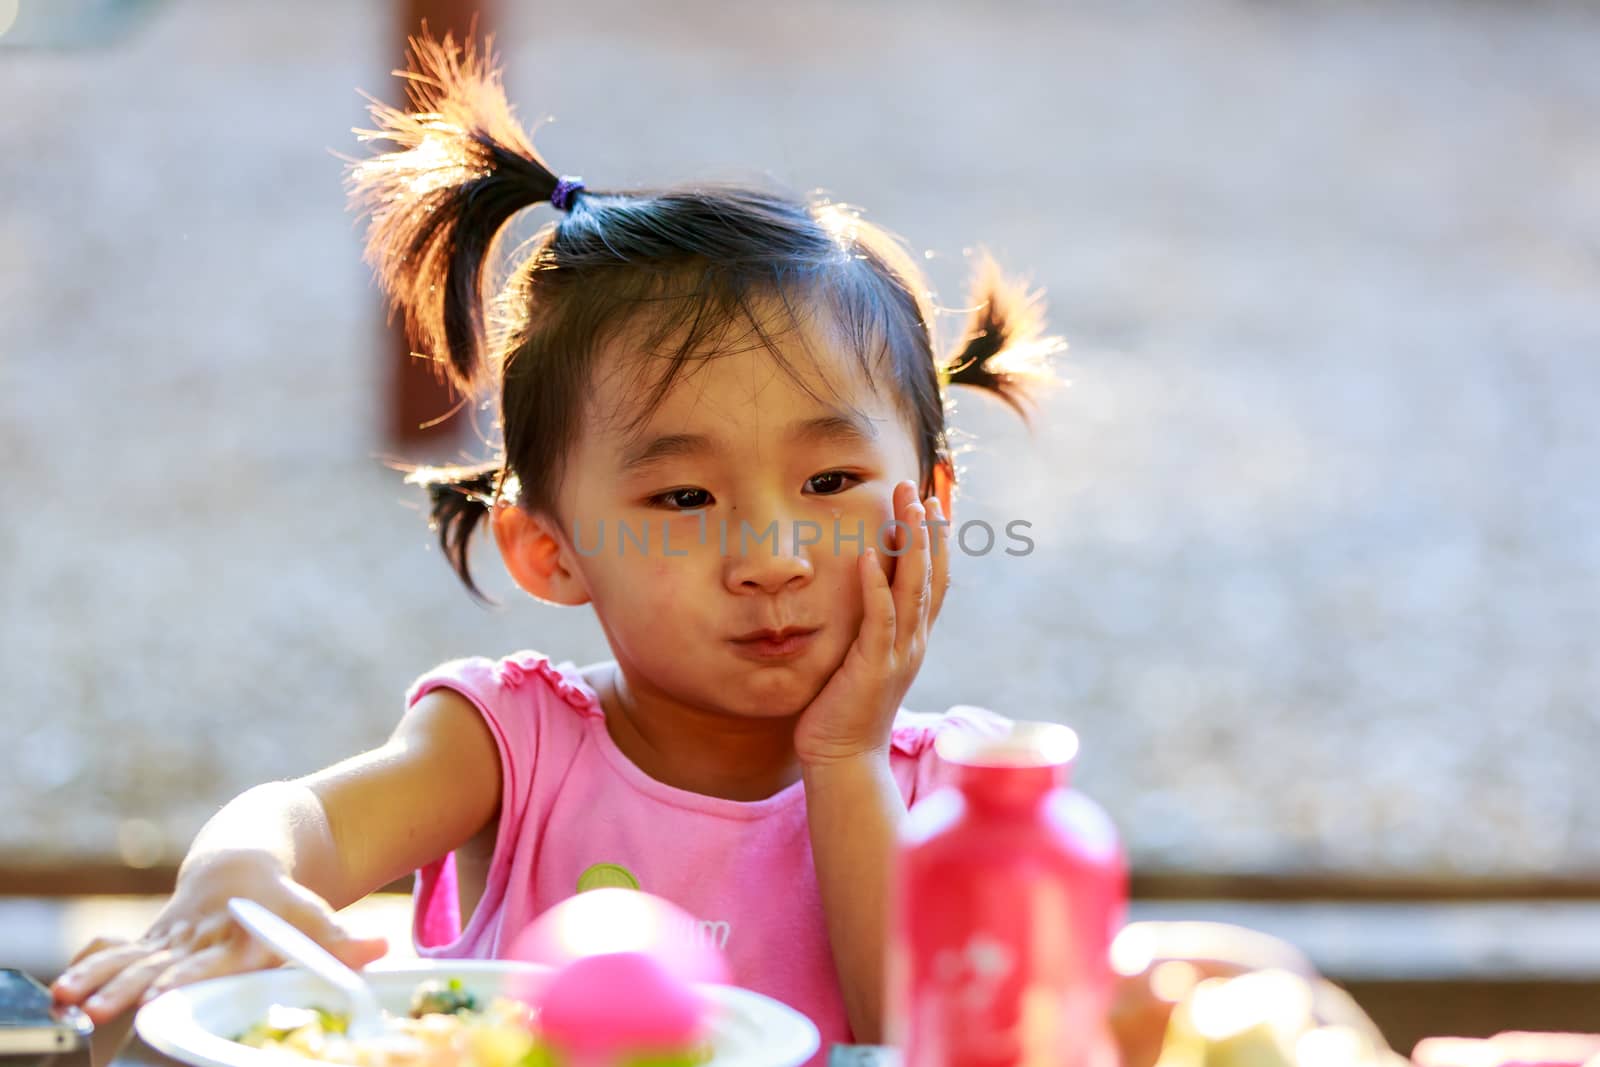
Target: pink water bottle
{"type": "Point", "coordinates": [1009, 889]}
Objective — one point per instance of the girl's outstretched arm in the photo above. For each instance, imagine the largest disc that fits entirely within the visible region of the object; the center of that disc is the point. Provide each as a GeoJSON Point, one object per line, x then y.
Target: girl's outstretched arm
{"type": "Point", "coordinates": [434, 785]}
{"type": "Point", "coordinates": [853, 805]}
{"type": "Point", "coordinates": [304, 848]}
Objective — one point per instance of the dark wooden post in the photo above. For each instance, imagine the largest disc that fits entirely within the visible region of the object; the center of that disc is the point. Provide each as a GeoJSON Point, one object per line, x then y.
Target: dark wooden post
{"type": "Point", "coordinates": [423, 414]}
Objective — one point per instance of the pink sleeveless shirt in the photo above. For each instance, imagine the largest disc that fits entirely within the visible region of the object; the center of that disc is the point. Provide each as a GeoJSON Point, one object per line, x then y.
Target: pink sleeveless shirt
{"type": "Point", "coordinates": [577, 814]}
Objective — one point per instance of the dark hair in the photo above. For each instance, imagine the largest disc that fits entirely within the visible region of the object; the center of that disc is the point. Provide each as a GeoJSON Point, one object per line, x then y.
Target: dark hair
{"type": "Point", "coordinates": [698, 258]}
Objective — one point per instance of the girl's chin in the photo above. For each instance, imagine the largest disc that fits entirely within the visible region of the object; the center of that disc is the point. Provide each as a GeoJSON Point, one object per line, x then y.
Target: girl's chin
{"type": "Point", "coordinates": [773, 694]}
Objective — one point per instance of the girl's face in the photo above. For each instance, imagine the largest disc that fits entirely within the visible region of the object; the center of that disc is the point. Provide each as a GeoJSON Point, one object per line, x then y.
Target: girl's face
{"type": "Point", "coordinates": [739, 507]}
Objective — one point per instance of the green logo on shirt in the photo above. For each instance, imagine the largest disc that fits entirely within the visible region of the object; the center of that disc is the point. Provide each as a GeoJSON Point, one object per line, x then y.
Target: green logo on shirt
{"type": "Point", "coordinates": [607, 876]}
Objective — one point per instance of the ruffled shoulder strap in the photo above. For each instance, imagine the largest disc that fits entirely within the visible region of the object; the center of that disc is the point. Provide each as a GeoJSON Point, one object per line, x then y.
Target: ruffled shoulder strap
{"type": "Point", "coordinates": [489, 680]}
{"type": "Point", "coordinates": [564, 680]}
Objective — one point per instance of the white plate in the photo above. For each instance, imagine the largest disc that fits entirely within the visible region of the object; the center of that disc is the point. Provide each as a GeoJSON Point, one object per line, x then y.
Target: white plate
{"type": "Point", "coordinates": [195, 1023]}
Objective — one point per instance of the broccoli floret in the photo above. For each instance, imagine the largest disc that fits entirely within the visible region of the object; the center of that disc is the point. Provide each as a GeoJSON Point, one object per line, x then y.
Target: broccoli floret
{"type": "Point", "coordinates": [281, 1021]}
{"type": "Point", "coordinates": [434, 997]}
{"type": "Point", "coordinates": [333, 1022]}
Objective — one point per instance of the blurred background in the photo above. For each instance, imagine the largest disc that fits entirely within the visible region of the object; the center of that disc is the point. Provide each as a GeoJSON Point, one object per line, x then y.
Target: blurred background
{"type": "Point", "coordinates": [1317, 575]}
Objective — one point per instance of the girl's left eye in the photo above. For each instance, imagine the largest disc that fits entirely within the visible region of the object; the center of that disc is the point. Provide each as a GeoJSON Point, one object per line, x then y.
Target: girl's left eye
{"type": "Point", "coordinates": [682, 499]}
{"type": "Point", "coordinates": [830, 482]}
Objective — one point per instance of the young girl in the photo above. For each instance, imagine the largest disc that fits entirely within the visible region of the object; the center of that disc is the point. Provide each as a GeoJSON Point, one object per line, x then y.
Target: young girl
{"type": "Point", "coordinates": [724, 429]}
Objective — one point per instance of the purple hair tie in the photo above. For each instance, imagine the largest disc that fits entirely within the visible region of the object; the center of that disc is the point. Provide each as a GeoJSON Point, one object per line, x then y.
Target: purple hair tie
{"type": "Point", "coordinates": [566, 189]}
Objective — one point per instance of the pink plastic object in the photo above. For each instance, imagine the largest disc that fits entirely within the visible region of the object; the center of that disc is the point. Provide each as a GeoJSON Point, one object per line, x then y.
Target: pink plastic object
{"type": "Point", "coordinates": [597, 1007]}
{"type": "Point", "coordinates": [610, 920]}
{"type": "Point", "coordinates": [625, 964]}
{"type": "Point", "coordinates": [1009, 889]}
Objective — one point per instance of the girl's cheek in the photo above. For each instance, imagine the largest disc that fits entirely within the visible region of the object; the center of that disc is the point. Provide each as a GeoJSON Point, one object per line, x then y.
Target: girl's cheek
{"type": "Point", "coordinates": [642, 591]}
{"type": "Point", "coordinates": [638, 578]}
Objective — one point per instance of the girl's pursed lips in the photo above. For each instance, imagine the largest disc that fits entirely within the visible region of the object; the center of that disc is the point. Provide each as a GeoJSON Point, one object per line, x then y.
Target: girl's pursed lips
{"type": "Point", "coordinates": [766, 648]}
{"type": "Point", "coordinates": [770, 634]}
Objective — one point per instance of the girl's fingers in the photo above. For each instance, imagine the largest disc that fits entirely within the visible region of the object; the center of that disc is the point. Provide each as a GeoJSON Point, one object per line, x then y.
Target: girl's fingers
{"type": "Point", "coordinates": [939, 546]}
{"type": "Point", "coordinates": [94, 970]}
{"type": "Point", "coordinates": [897, 549]}
{"type": "Point", "coordinates": [876, 637]}
{"type": "Point", "coordinates": [98, 945]}
{"type": "Point", "coordinates": [314, 918]}
{"type": "Point", "coordinates": [911, 577]}
{"type": "Point", "coordinates": [124, 991]}
{"type": "Point", "coordinates": [72, 984]}
{"type": "Point", "coordinates": [215, 961]}
{"type": "Point", "coordinates": [357, 952]}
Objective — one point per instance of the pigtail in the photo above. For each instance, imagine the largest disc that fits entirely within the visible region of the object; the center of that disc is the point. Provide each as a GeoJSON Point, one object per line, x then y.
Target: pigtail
{"type": "Point", "coordinates": [462, 168]}
{"type": "Point", "coordinates": [435, 204]}
{"type": "Point", "coordinates": [1004, 351]}
{"type": "Point", "coordinates": [459, 498]}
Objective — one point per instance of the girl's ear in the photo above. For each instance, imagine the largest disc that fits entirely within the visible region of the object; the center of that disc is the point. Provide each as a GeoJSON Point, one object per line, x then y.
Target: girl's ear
{"type": "Point", "coordinates": [535, 557]}
{"type": "Point", "coordinates": [944, 481]}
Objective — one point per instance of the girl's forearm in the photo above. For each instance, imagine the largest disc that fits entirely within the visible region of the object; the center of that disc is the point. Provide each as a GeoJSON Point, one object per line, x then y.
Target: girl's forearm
{"type": "Point", "coordinates": [855, 809]}
{"type": "Point", "coordinates": [283, 821]}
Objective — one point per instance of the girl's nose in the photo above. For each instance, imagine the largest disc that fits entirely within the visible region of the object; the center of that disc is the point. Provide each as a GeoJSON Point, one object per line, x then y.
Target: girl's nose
{"type": "Point", "coordinates": [769, 559]}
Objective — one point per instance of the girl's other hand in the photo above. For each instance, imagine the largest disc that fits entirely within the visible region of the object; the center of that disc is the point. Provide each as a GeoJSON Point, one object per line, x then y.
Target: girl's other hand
{"type": "Point", "coordinates": [194, 937]}
{"type": "Point", "coordinates": [854, 713]}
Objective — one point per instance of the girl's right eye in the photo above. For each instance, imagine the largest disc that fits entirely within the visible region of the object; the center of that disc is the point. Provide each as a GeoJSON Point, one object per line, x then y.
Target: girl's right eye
{"type": "Point", "coordinates": [673, 499]}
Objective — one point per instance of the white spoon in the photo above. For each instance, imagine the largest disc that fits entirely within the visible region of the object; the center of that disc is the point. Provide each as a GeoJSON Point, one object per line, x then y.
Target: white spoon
{"type": "Point", "coordinates": [286, 939]}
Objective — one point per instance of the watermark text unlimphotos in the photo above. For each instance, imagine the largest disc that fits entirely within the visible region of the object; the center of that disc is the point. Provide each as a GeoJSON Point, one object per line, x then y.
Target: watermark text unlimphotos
{"type": "Point", "coordinates": [974, 537]}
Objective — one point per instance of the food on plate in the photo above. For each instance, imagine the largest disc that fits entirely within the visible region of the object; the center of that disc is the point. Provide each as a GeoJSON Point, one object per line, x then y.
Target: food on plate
{"type": "Point", "coordinates": [500, 1035]}
{"type": "Point", "coordinates": [442, 997]}
{"type": "Point", "coordinates": [447, 1027]}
